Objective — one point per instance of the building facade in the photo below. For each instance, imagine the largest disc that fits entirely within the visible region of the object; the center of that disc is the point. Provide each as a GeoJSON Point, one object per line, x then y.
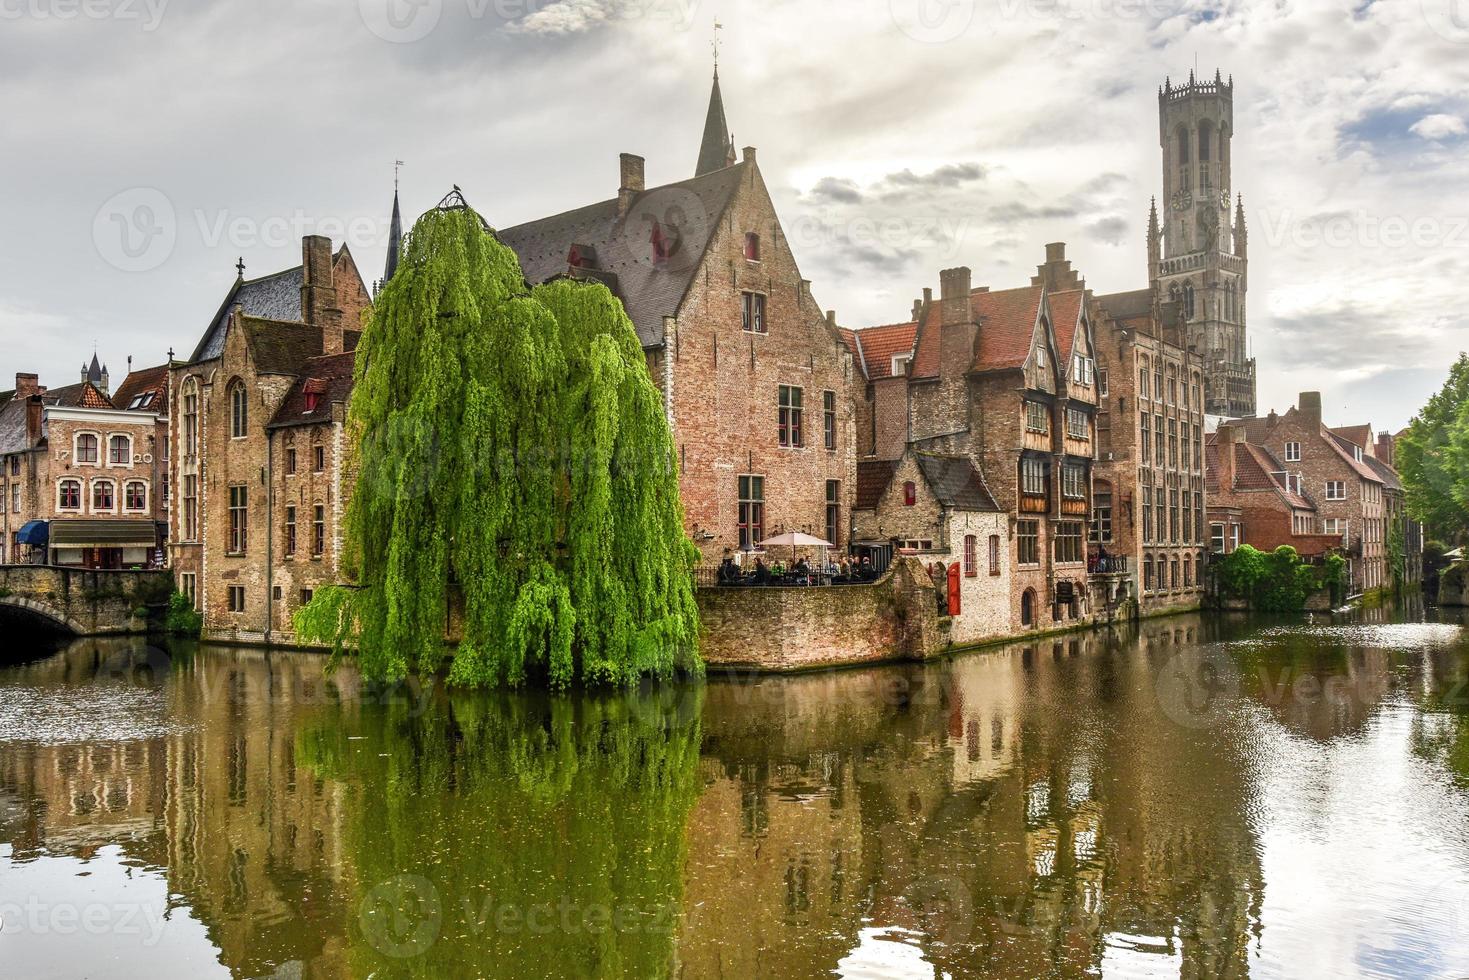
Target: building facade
{"type": "Point", "coordinates": [1255, 500]}
{"type": "Point", "coordinates": [1150, 489]}
{"type": "Point", "coordinates": [234, 488]}
{"type": "Point", "coordinates": [756, 381]}
{"type": "Point", "coordinates": [83, 482]}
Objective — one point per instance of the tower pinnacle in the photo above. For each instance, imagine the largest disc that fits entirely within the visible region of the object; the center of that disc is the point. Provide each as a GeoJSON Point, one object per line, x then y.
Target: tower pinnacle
{"type": "Point", "coordinates": [395, 230]}
{"type": "Point", "coordinates": [716, 151]}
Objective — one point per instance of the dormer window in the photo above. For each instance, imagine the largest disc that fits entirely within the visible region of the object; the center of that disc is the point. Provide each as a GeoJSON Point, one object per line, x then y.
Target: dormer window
{"type": "Point", "coordinates": [665, 243]}
{"type": "Point", "coordinates": [312, 401]}
{"type": "Point", "coordinates": [900, 364]}
{"type": "Point", "coordinates": [1357, 452]}
{"type": "Point", "coordinates": [752, 247]}
{"type": "Point", "coordinates": [582, 257]}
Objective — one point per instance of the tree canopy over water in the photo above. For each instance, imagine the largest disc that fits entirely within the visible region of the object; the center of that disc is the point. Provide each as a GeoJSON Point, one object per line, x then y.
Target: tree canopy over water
{"type": "Point", "coordinates": [513, 458]}
{"type": "Point", "coordinates": [1433, 457]}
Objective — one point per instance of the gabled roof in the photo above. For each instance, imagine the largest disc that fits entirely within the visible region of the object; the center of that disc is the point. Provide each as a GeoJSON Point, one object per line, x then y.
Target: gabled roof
{"type": "Point", "coordinates": [955, 482]}
{"type": "Point", "coordinates": [273, 297]}
{"type": "Point", "coordinates": [1357, 435]}
{"type": "Point", "coordinates": [83, 394]}
{"type": "Point", "coordinates": [329, 378]}
{"type": "Point", "coordinates": [279, 347]}
{"type": "Point", "coordinates": [1385, 473]}
{"type": "Point", "coordinates": [1255, 469]}
{"type": "Point", "coordinates": [623, 245]}
{"type": "Point", "coordinates": [1347, 452]}
{"type": "Point", "coordinates": [145, 390]}
{"type": "Point", "coordinates": [1066, 310]}
{"type": "Point", "coordinates": [1007, 321]}
{"type": "Point", "coordinates": [875, 347]}
{"type": "Point", "coordinates": [873, 477]}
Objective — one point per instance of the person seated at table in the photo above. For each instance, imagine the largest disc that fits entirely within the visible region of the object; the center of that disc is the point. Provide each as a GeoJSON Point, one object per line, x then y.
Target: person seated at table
{"type": "Point", "coordinates": [802, 569]}
{"type": "Point", "coordinates": [865, 571]}
{"type": "Point", "coordinates": [762, 573]}
{"type": "Point", "coordinates": [729, 572]}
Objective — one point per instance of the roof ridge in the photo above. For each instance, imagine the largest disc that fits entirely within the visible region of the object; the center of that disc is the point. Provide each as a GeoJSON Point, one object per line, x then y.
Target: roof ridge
{"type": "Point", "coordinates": [610, 200]}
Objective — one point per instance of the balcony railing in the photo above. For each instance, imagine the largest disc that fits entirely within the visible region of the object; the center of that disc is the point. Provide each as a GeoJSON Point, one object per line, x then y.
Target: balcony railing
{"type": "Point", "coordinates": [1109, 565]}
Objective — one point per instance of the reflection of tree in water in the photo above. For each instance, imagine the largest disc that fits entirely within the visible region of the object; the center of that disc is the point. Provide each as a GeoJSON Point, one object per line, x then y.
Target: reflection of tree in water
{"type": "Point", "coordinates": [518, 835]}
{"type": "Point", "coordinates": [1441, 732]}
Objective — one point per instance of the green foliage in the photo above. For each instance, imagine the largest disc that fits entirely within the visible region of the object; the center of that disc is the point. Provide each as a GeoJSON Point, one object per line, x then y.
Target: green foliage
{"type": "Point", "coordinates": [508, 810]}
{"type": "Point", "coordinates": [513, 457]}
{"type": "Point", "coordinates": [1433, 458]}
{"type": "Point", "coordinates": [1277, 581]}
{"type": "Point", "coordinates": [182, 619]}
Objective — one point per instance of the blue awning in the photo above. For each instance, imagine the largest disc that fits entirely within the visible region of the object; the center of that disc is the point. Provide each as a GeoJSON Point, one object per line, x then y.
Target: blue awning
{"type": "Point", "coordinates": [34, 532]}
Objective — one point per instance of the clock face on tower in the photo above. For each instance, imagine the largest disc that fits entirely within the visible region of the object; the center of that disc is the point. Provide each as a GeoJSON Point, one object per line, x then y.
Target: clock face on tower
{"type": "Point", "coordinates": [1224, 199]}
{"type": "Point", "coordinates": [1182, 200]}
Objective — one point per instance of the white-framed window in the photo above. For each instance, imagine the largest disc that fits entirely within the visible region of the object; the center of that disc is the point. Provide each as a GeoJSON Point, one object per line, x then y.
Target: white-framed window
{"type": "Point", "coordinates": [135, 496]}
{"type": "Point", "coordinates": [1037, 418]}
{"type": "Point", "coordinates": [1336, 490]}
{"type": "Point", "coordinates": [1102, 384]}
{"type": "Point", "coordinates": [86, 448]}
{"type": "Point", "coordinates": [119, 450]}
{"type": "Point", "coordinates": [1334, 525]}
{"type": "Point", "coordinates": [1216, 538]}
{"type": "Point", "coordinates": [900, 364]}
{"type": "Point", "coordinates": [1073, 481]}
{"type": "Point", "coordinates": [1293, 452]}
{"type": "Point", "coordinates": [1077, 424]}
{"type": "Point", "coordinates": [1357, 453]}
{"type": "Point", "coordinates": [104, 497]}
{"type": "Point", "coordinates": [1033, 476]}
{"type": "Point", "coordinates": [68, 495]}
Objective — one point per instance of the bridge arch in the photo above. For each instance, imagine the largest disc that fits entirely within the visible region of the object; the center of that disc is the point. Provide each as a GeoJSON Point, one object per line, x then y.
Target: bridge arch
{"type": "Point", "coordinates": [24, 607]}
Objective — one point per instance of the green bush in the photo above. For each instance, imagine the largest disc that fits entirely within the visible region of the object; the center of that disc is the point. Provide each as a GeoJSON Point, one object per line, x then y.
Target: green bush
{"type": "Point", "coordinates": [183, 619]}
{"type": "Point", "coordinates": [1277, 581]}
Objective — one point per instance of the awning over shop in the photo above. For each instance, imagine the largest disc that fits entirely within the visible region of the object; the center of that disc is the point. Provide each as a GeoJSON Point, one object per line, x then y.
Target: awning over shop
{"type": "Point", "coordinates": [103, 534]}
{"type": "Point", "coordinates": [33, 532]}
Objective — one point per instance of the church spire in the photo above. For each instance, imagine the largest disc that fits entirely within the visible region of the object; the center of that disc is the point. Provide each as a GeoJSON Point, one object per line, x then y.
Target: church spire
{"type": "Point", "coordinates": [717, 149]}
{"type": "Point", "coordinates": [395, 232]}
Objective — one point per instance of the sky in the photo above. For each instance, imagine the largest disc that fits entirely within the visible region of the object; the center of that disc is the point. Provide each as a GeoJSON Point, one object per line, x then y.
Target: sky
{"type": "Point", "coordinates": [150, 144]}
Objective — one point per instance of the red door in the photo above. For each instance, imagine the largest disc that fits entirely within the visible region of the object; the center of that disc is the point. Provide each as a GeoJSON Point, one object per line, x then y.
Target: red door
{"type": "Point", "coordinates": [954, 579]}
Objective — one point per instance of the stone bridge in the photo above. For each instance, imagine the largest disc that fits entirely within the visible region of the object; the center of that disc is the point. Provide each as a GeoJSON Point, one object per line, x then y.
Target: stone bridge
{"type": "Point", "coordinates": [80, 601]}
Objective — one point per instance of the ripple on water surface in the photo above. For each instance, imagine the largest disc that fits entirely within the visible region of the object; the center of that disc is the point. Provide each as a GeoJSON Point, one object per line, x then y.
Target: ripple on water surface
{"type": "Point", "coordinates": [100, 713]}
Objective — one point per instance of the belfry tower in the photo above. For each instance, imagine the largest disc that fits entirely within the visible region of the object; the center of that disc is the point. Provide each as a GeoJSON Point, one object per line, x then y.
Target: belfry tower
{"type": "Point", "coordinates": [1197, 258]}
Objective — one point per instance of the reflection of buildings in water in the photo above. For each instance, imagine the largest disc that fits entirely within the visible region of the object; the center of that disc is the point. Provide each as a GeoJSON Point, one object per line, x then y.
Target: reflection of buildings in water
{"type": "Point", "coordinates": [984, 712]}
{"type": "Point", "coordinates": [245, 843]}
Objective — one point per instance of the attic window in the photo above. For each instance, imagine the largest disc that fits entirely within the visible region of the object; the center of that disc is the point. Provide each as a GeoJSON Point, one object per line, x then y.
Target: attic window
{"type": "Point", "coordinates": [752, 247]}
{"type": "Point", "coordinates": [312, 400]}
{"type": "Point", "coordinates": [582, 257]}
{"type": "Point", "coordinates": [664, 243]}
{"type": "Point", "coordinates": [141, 401]}
{"type": "Point", "coordinates": [910, 494]}
{"type": "Point", "coordinates": [312, 390]}
{"type": "Point", "coordinates": [900, 364]}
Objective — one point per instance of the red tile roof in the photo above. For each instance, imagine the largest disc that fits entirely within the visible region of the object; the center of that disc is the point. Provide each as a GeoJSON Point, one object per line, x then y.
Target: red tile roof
{"type": "Point", "coordinates": [873, 477]}
{"type": "Point", "coordinates": [141, 383]}
{"type": "Point", "coordinates": [1065, 317]}
{"type": "Point", "coordinates": [83, 394]}
{"type": "Point", "coordinates": [875, 347]}
{"type": "Point", "coordinates": [1357, 435]}
{"type": "Point", "coordinates": [1007, 320]}
{"type": "Point", "coordinates": [329, 378]}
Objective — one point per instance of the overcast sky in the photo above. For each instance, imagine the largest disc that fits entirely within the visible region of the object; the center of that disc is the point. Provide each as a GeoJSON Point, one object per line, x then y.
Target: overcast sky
{"type": "Point", "coordinates": [148, 144]}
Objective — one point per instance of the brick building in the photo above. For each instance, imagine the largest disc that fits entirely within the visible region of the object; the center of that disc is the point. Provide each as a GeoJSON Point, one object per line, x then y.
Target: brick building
{"type": "Point", "coordinates": [1349, 495]}
{"type": "Point", "coordinates": [938, 509]}
{"type": "Point", "coordinates": [1255, 500]}
{"type": "Point", "coordinates": [1381, 457]}
{"type": "Point", "coordinates": [1006, 380]}
{"type": "Point", "coordinates": [82, 482]}
{"type": "Point", "coordinates": [756, 381]}
{"type": "Point", "coordinates": [1149, 490]}
{"type": "Point", "coordinates": [256, 429]}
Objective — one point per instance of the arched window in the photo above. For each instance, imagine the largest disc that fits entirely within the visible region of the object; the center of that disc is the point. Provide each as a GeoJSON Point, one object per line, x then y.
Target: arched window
{"type": "Point", "coordinates": [1027, 608]}
{"type": "Point", "coordinates": [86, 449]}
{"type": "Point", "coordinates": [910, 494]}
{"type": "Point", "coordinates": [1183, 144]}
{"type": "Point", "coordinates": [1188, 300]}
{"type": "Point", "coordinates": [69, 495]}
{"type": "Point", "coordinates": [1206, 135]}
{"type": "Point", "coordinates": [135, 495]}
{"type": "Point", "coordinates": [119, 450]}
{"type": "Point", "coordinates": [994, 554]}
{"type": "Point", "coordinates": [191, 416]}
{"type": "Point", "coordinates": [971, 556]}
{"type": "Point", "coordinates": [104, 496]}
{"type": "Point", "coordinates": [239, 412]}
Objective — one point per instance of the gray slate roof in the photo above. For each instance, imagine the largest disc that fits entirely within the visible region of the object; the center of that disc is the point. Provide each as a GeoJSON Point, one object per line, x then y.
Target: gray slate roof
{"type": "Point", "coordinates": [687, 212]}
{"type": "Point", "coordinates": [955, 482]}
{"type": "Point", "coordinates": [13, 427]}
{"type": "Point", "coordinates": [1128, 305]}
{"type": "Point", "coordinates": [273, 297]}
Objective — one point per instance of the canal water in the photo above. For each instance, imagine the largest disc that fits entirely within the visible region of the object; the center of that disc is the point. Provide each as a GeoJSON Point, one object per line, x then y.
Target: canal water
{"type": "Point", "coordinates": [1194, 798]}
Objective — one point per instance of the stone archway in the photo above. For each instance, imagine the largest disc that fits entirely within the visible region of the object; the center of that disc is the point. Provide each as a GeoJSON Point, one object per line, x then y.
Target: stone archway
{"type": "Point", "coordinates": [24, 607]}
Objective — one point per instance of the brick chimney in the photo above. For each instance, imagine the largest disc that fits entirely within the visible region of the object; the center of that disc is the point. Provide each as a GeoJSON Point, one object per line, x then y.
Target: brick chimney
{"type": "Point", "coordinates": [34, 407]}
{"type": "Point", "coordinates": [1385, 447]}
{"type": "Point", "coordinates": [959, 332]}
{"type": "Point", "coordinates": [632, 182]}
{"type": "Point", "coordinates": [1309, 405]}
{"type": "Point", "coordinates": [319, 303]}
{"type": "Point", "coordinates": [1229, 436]}
{"type": "Point", "coordinates": [1056, 274]}
{"type": "Point", "coordinates": [26, 385]}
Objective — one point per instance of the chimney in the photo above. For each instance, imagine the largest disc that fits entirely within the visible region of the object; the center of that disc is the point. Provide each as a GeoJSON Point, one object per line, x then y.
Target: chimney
{"type": "Point", "coordinates": [319, 305]}
{"type": "Point", "coordinates": [954, 286]}
{"type": "Point", "coordinates": [1385, 448]}
{"type": "Point", "coordinates": [632, 182]}
{"type": "Point", "coordinates": [33, 418]}
{"type": "Point", "coordinates": [1229, 436]}
{"type": "Point", "coordinates": [749, 154]}
{"type": "Point", "coordinates": [1309, 405]}
{"type": "Point", "coordinates": [958, 332]}
{"type": "Point", "coordinates": [26, 385]}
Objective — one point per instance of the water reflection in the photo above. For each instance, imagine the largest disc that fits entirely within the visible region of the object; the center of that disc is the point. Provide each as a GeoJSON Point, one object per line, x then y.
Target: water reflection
{"type": "Point", "coordinates": [1196, 799]}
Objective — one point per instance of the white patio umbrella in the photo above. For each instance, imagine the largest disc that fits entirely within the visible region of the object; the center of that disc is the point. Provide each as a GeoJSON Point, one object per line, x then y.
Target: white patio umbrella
{"type": "Point", "coordinates": [794, 540]}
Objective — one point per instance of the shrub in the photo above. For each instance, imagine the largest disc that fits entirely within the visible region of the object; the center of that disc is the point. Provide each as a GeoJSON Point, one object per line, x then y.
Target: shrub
{"type": "Point", "coordinates": [183, 619]}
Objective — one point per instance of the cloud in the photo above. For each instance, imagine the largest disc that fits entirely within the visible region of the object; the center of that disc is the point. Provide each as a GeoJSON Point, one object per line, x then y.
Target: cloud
{"type": "Point", "coordinates": [838, 190]}
{"type": "Point", "coordinates": [1112, 230]}
{"type": "Point", "coordinates": [1438, 126]}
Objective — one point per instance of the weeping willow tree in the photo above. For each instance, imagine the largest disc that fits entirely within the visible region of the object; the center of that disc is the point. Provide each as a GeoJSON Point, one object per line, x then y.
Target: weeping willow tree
{"type": "Point", "coordinates": [513, 462]}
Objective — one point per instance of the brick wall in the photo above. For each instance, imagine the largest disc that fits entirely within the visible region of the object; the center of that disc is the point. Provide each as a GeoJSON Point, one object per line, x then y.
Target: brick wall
{"type": "Point", "coordinates": [726, 386]}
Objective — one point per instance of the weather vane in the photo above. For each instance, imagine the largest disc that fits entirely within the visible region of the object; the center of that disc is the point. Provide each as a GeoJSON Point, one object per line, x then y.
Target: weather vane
{"type": "Point", "coordinates": [715, 43]}
{"type": "Point", "coordinates": [240, 267]}
{"type": "Point", "coordinates": [397, 164]}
